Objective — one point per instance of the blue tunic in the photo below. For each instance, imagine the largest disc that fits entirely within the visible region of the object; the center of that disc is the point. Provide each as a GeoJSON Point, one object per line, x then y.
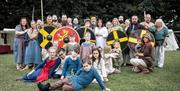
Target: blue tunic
{"type": "Point", "coordinates": [159, 35]}
{"type": "Point", "coordinates": [83, 78]}
{"type": "Point", "coordinates": [71, 67]}
{"type": "Point", "coordinates": [33, 76]}
{"type": "Point", "coordinates": [19, 46]}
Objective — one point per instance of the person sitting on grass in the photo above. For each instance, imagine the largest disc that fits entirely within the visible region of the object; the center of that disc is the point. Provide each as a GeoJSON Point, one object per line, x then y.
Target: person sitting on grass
{"type": "Point", "coordinates": [99, 64]}
{"type": "Point", "coordinates": [62, 56]}
{"type": "Point", "coordinates": [144, 61]}
{"type": "Point", "coordinates": [117, 55]}
{"type": "Point", "coordinates": [81, 80]}
{"type": "Point", "coordinates": [108, 56]}
{"type": "Point", "coordinates": [45, 69]}
{"type": "Point", "coordinates": [71, 44]}
{"type": "Point", "coordinates": [72, 64]}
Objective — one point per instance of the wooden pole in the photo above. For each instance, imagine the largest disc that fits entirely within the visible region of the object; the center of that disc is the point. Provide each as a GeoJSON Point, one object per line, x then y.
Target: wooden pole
{"type": "Point", "coordinates": [33, 12]}
{"type": "Point", "coordinates": [42, 18]}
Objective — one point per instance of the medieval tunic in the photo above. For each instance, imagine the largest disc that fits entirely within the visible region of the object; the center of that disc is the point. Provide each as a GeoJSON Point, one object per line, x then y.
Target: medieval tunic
{"type": "Point", "coordinates": [86, 50]}
{"type": "Point", "coordinates": [83, 78]}
{"type": "Point", "coordinates": [71, 66]}
{"type": "Point", "coordinates": [101, 40]}
{"type": "Point", "coordinates": [146, 60]}
{"type": "Point", "coordinates": [19, 46]}
{"type": "Point", "coordinates": [33, 51]}
{"type": "Point", "coordinates": [43, 71]}
{"type": "Point", "coordinates": [159, 47]}
{"type": "Point", "coordinates": [118, 58]}
{"type": "Point", "coordinates": [100, 67]}
{"type": "Point", "coordinates": [131, 29]}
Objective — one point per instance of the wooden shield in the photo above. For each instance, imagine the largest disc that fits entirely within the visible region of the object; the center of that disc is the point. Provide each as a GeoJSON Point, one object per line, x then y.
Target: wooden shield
{"type": "Point", "coordinates": [136, 38]}
{"type": "Point", "coordinates": [117, 35]}
{"type": "Point", "coordinates": [65, 32]}
{"type": "Point", "coordinates": [82, 31]}
{"type": "Point", "coordinates": [45, 36]}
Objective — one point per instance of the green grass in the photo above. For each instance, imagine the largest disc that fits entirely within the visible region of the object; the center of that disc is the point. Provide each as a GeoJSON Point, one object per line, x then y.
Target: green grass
{"type": "Point", "coordinates": [166, 79]}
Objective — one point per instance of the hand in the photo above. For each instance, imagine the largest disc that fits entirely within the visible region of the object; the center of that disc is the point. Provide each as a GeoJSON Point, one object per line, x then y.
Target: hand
{"type": "Point", "coordinates": [26, 30]}
{"type": "Point", "coordinates": [62, 77]}
{"type": "Point", "coordinates": [164, 44]}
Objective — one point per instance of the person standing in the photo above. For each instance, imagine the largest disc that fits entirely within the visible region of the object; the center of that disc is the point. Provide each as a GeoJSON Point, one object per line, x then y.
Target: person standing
{"type": "Point", "coordinates": [76, 23]}
{"type": "Point", "coordinates": [135, 26]}
{"type": "Point", "coordinates": [160, 32]}
{"type": "Point", "coordinates": [33, 51]}
{"type": "Point", "coordinates": [101, 34]}
{"type": "Point", "coordinates": [19, 43]}
{"type": "Point", "coordinates": [116, 25]}
{"type": "Point", "coordinates": [86, 47]}
{"type": "Point", "coordinates": [147, 21]}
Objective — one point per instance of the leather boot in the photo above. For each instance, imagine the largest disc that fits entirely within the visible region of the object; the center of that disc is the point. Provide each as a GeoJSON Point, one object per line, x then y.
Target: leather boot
{"type": "Point", "coordinates": [143, 69]}
{"type": "Point", "coordinates": [43, 87]}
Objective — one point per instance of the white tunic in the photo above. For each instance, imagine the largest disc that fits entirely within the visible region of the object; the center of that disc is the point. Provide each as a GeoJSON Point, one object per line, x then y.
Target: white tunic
{"type": "Point", "coordinates": [101, 40]}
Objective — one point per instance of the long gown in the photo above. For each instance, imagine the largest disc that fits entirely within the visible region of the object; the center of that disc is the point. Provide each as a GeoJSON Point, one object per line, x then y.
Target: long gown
{"type": "Point", "coordinates": [101, 40]}
{"type": "Point", "coordinates": [19, 46]}
{"type": "Point", "coordinates": [33, 51]}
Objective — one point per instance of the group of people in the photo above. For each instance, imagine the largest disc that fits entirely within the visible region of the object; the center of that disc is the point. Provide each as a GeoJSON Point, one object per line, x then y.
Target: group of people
{"type": "Point", "coordinates": [77, 65]}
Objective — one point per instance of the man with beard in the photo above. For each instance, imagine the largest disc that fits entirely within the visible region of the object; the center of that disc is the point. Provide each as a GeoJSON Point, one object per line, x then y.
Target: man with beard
{"type": "Point", "coordinates": [131, 30]}
{"type": "Point", "coordinates": [147, 21]}
{"type": "Point", "coordinates": [64, 20]}
{"type": "Point", "coordinates": [82, 79]}
{"type": "Point", "coordinates": [121, 22]}
{"type": "Point", "coordinates": [134, 25]}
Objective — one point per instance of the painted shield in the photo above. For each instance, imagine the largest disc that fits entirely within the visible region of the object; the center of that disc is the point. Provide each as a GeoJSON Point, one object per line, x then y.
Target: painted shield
{"type": "Point", "coordinates": [136, 38]}
{"type": "Point", "coordinates": [82, 31]}
{"type": "Point", "coordinates": [45, 36]}
{"type": "Point", "coordinates": [117, 36]}
{"type": "Point", "coordinates": [62, 34]}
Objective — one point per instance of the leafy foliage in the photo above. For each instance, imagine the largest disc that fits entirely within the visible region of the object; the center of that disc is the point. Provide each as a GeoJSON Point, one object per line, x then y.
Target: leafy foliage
{"type": "Point", "coordinates": [12, 10]}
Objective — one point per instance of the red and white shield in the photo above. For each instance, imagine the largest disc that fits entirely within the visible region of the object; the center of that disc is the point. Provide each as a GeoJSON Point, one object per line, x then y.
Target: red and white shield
{"type": "Point", "coordinates": [62, 33]}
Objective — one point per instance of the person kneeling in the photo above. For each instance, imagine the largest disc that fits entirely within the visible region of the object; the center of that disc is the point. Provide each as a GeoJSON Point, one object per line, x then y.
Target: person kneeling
{"type": "Point", "coordinates": [81, 80]}
{"type": "Point", "coordinates": [144, 60]}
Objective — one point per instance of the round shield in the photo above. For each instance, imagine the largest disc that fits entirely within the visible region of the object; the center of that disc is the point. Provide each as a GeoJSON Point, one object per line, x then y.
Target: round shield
{"type": "Point", "coordinates": [117, 36]}
{"type": "Point", "coordinates": [45, 36]}
{"type": "Point", "coordinates": [62, 35]}
{"type": "Point", "coordinates": [136, 38]}
{"type": "Point", "coordinates": [82, 31]}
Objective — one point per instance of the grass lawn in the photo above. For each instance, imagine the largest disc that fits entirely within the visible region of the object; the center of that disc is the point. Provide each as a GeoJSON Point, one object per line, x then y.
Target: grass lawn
{"type": "Point", "coordinates": [166, 79]}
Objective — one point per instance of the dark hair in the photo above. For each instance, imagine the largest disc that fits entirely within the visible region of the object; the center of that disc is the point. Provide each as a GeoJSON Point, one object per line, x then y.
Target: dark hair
{"type": "Point", "coordinates": [88, 62]}
{"type": "Point", "coordinates": [101, 22]}
{"type": "Point", "coordinates": [100, 56]}
{"type": "Point", "coordinates": [76, 50]}
{"type": "Point", "coordinates": [61, 49]}
{"type": "Point", "coordinates": [27, 25]}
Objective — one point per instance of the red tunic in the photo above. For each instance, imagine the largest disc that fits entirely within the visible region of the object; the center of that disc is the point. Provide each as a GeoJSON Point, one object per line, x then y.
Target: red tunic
{"type": "Point", "coordinates": [45, 71]}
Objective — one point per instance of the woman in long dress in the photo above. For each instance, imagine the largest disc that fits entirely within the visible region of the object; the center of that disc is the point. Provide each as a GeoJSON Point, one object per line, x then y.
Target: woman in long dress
{"type": "Point", "coordinates": [19, 43]}
{"type": "Point", "coordinates": [33, 51]}
{"type": "Point", "coordinates": [101, 33]}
